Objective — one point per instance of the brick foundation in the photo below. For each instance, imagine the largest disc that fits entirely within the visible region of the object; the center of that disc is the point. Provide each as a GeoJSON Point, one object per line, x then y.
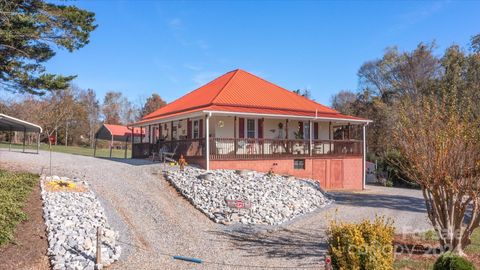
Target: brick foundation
{"type": "Point", "coordinates": [332, 173]}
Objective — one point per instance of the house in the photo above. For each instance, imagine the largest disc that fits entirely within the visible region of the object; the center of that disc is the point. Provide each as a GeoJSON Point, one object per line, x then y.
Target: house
{"type": "Point", "coordinates": [241, 121]}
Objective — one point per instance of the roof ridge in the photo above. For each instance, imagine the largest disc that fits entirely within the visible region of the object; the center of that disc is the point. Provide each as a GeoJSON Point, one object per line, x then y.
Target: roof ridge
{"type": "Point", "coordinates": [225, 86]}
{"type": "Point", "coordinates": [290, 92]}
{"type": "Point", "coordinates": [272, 108]}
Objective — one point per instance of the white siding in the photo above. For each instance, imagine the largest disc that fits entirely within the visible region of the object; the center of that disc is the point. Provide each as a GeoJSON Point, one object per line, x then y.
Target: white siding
{"type": "Point", "coordinates": [227, 131]}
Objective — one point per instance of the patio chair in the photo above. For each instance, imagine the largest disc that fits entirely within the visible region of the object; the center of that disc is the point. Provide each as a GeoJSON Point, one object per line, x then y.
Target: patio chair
{"type": "Point", "coordinates": [159, 154]}
{"type": "Point", "coordinates": [168, 156]}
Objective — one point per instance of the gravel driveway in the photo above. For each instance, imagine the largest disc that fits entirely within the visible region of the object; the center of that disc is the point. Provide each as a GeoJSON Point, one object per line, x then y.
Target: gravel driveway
{"type": "Point", "coordinates": [155, 221]}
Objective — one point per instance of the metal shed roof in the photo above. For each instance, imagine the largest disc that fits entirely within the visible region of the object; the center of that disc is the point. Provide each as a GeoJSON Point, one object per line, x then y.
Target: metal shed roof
{"type": "Point", "coordinates": [117, 132]}
{"type": "Point", "coordinates": [9, 123]}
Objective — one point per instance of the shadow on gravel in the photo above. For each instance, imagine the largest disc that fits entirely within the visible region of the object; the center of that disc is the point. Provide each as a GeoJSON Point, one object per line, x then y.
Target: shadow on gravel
{"type": "Point", "coordinates": [396, 202]}
{"type": "Point", "coordinates": [280, 243]}
{"type": "Point", "coordinates": [130, 161]}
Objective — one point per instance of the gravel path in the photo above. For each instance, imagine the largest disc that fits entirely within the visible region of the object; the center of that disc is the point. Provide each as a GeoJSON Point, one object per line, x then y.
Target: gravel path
{"type": "Point", "coordinates": [154, 220]}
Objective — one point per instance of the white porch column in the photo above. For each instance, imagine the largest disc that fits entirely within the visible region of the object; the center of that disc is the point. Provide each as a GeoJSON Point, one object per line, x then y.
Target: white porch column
{"type": "Point", "coordinates": [38, 141]}
{"type": "Point", "coordinates": [310, 124]}
{"type": "Point", "coordinates": [364, 163]}
{"type": "Point", "coordinates": [207, 143]}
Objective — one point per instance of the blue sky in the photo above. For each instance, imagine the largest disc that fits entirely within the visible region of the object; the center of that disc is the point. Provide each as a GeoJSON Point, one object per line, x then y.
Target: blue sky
{"type": "Point", "coordinates": [171, 48]}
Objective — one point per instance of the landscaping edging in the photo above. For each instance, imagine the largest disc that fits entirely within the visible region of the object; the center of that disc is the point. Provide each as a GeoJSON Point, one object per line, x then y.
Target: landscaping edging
{"type": "Point", "coordinates": [274, 198]}
{"type": "Point", "coordinates": [72, 219]}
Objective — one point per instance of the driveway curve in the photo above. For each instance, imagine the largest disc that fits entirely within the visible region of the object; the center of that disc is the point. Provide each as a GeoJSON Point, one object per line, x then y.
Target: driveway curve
{"type": "Point", "coordinates": [156, 222]}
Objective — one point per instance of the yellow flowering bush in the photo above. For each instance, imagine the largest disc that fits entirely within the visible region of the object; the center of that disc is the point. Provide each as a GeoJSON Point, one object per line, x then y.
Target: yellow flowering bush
{"type": "Point", "coordinates": [366, 245]}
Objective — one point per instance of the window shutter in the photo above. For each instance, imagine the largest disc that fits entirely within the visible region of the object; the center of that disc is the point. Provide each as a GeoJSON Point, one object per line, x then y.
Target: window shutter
{"type": "Point", "coordinates": [315, 131]}
{"type": "Point", "coordinates": [260, 128]}
{"type": "Point", "coordinates": [200, 128]}
{"type": "Point", "coordinates": [189, 129]}
{"type": "Point", "coordinates": [241, 127]}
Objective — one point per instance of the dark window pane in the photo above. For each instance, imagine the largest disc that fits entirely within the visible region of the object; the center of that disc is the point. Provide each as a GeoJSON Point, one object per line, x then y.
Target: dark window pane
{"type": "Point", "coordinates": [250, 128]}
{"type": "Point", "coordinates": [299, 164]}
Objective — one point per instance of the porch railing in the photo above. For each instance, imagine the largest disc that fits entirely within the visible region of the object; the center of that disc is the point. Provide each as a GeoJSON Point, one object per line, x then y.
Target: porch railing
{"type": "Point", "coordinates": [230, 148]}
{"type": "Point", "coordinates": [188, 148]}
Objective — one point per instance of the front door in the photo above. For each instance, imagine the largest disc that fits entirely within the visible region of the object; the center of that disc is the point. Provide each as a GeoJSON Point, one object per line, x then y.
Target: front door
{"type": "Point", "coordinates": [336, 174]}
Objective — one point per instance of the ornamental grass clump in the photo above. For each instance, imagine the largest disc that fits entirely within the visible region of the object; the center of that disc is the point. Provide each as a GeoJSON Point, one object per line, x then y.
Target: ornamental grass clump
{"type": "Point", "coordinates": [451, 261]}
{"type": "Point", "coordinates": [364, 245]}
{"type": "Point", "coordinates": [14, 190]}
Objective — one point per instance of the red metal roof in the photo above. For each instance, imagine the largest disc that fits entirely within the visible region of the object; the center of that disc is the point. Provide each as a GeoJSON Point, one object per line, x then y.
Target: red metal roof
{"type": "Point", "coordinates": [118, 130]}
{"type": "Point", "coordinates": [240, 91]}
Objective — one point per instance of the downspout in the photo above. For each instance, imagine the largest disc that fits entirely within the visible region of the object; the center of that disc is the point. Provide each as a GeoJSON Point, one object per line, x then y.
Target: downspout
{"type": "Point", "coordinates": [207, 143]}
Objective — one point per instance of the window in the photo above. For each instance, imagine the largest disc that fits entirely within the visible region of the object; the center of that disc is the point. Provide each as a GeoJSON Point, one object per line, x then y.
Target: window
{"type": "Point", "coordinates": [195, 130]}
{"type": "Point", "coordinates": [306, 130]}
{"type": "Point", "coordinates": [174, 132]}
{"type": "Point", "coordinates": [250, 128]}
{"type": "Point", "coordinates": [299, 164]}
{"type": "Point", "coordinates": [347, 132]}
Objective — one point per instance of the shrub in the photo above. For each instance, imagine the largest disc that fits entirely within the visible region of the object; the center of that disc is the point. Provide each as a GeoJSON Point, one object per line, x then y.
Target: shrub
{"type": "Point", "coordinates": [450, 261]}
{"type": "Point", "coordinates": [366, 245]}
{"type": "Point", "coordinates": [14, 189]}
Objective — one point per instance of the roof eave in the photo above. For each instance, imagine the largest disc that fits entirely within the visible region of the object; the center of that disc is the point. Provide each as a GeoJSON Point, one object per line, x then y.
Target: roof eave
{"type": "Point", "coordinates": [291, 116]}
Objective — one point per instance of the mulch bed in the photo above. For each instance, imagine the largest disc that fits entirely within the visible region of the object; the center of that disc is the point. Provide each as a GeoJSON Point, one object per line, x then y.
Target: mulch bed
{"type": "Point", "coordinates": [30, 246]}
{"type": "Point", "coordinates": [415, 245]}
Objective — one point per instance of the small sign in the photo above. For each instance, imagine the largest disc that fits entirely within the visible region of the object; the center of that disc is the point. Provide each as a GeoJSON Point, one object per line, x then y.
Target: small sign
{"type": "Point", "coordinates": [239, 204]}
{"type": "Point", "coordinates": [328, 262]}
{"type": "Point", "coordinates": [51, 138]}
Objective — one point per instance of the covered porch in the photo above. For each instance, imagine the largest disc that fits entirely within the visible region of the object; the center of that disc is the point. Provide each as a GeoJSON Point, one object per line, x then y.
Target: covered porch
{"type": "Point", "coordinates": [236, 136]}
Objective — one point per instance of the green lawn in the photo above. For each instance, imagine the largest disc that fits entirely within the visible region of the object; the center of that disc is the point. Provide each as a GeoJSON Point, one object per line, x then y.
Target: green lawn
{"type": "Point", "coordinates": [75, 150]}
{"type": "Point", "coordinates": [14, 190]}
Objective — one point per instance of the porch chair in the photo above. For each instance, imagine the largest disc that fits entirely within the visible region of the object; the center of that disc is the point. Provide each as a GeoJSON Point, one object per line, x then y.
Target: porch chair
{"type": "Point", "coordinates": [168, 156]}
{"type": "Point", "coordinates": [159, 154]}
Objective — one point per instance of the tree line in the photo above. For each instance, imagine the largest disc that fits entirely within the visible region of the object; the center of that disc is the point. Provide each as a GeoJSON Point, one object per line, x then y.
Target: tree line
{"type": "Point", "coordinates": [387, 82]}
{"type": "Point", "coordinates": [74, 115]}
{"type": "Point", "coordinates": [426, 129]}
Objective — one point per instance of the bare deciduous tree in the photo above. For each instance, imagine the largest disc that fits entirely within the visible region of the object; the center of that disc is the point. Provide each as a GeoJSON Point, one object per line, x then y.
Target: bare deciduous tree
{"type": "Point", "coordinates": [55, 109]}
{"type": "Point", "coordinates": [440, 147]}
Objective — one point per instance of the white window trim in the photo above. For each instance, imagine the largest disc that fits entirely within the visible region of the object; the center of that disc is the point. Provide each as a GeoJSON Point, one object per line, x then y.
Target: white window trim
{"type": "Point", "coordinates": [193, 128]}
{"type": "Point", "coordinates": [305, 124]}
{"type": "Point", "coordinates": [245, 130]}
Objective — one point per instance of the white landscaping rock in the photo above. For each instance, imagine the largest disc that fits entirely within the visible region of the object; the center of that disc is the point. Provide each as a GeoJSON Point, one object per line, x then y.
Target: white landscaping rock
{"type": "Point", "coordinates": [72, 219]}
{"type": "Point", "coordinates": [274, 198]}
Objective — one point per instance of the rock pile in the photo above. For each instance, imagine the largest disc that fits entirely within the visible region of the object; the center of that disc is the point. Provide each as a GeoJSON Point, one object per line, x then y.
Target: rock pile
{"type": "Point", "coordinates": [72, 219]}
{"type": "Point", "coordinates": [274, 199]}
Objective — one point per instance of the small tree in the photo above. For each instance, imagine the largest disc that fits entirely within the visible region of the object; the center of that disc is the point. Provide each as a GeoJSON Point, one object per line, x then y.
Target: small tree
{"type": "Point", "coordinates": [153, 103]}
{"type": "Point", "coordinates": [438, 137]}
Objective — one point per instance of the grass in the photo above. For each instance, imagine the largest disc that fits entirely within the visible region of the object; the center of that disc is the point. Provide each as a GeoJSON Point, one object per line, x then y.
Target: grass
{"type": "Point", "coordinates": [474, 247]}
{"type": "Point", "coordinates": [75, 150]}
{"type": "Point", "coordinates": [14, 190]}
{"type": "Point", "coordinates": [408, 263]}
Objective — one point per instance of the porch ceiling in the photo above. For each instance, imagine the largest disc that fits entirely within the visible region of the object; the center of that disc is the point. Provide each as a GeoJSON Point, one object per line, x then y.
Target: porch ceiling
{"type": "Point", "coordinates": [253, 114]}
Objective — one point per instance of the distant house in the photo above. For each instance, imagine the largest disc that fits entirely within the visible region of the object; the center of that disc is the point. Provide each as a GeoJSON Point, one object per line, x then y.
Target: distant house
{"type": "Point", "coordinates": [241, 121]}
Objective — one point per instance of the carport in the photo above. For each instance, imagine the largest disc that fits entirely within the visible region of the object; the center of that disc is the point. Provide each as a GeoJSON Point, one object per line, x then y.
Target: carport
{"type": "Point", "coordinates": [117, 133]}
{"type": "Point", "coordinates": [11, 124]}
